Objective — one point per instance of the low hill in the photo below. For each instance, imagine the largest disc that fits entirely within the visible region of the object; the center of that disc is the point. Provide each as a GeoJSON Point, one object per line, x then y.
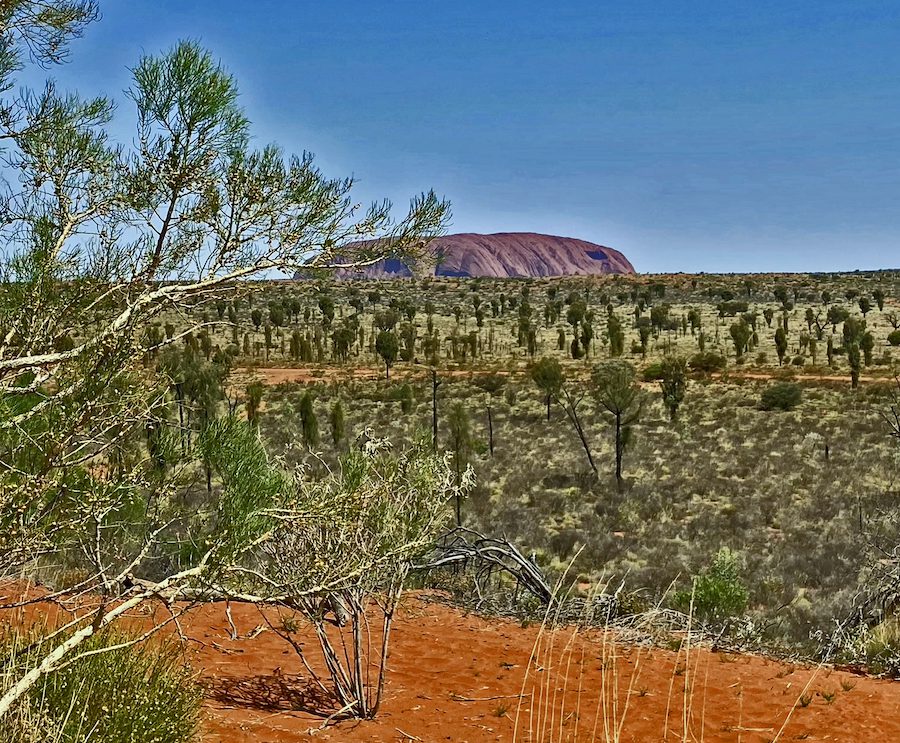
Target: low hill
{"type": "Point", "coordinates": [507, 255]}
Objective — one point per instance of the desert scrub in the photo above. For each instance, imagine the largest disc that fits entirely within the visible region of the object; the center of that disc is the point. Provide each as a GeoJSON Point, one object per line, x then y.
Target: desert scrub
{"type": "Point", "coordinates": [781, 396]}
{"type": "Point", "coordinates": [717, 593]}
{"type": "Point", "coordinates": [126, 694]}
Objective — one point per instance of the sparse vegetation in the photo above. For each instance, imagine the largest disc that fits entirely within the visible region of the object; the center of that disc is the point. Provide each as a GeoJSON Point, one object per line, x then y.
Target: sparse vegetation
{"type": "Point", "coordinates": [175, 428]}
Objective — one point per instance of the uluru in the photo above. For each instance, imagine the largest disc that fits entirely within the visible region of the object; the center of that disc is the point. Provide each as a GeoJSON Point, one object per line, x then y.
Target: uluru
{"type": "Point", "coordinates": [507, 255]}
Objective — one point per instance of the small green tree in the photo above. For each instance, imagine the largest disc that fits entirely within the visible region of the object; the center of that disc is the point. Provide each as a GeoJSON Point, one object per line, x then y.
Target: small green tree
{"type": "Point", "coordinates": [547, 374]}
{"type": "Point", "coordinates": [308, 421]}
{"type": "Point", "coordinates": [253, 402]}
{"type": "Point", "coordinates": [616, 335]}
{"type": "Point", "coordinates": [387, 347]}
{"type": "Point", "coordinates": [492, 384]}
{"type": "Point", "coordinates": [867, 345]}
{"type": "Point", "coordinates": [853, 358]}
{"type": "Point", "coordinates": [616, 389]}
{"type": "Point", "coordinates": [344, 557]}
{"type": "Point", "coordinates": [781, 345]}
{"type": "Point", "coordinates": [459, 428]}
{"type": "Point", "coordinates": [407, 400]}
{"type": "Point", "coordinates": [337, 423]}
{"type": "Point", "coordinates": [673, 383]}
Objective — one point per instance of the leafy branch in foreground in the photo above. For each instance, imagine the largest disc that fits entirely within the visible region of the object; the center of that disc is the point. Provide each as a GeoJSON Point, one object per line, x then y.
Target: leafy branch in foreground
{"type": "Point", "coordinates": [98, 239]}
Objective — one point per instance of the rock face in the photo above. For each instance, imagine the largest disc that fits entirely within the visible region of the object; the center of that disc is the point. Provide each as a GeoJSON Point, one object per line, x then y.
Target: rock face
{"type": "Point", "coordinates": [509, 255]}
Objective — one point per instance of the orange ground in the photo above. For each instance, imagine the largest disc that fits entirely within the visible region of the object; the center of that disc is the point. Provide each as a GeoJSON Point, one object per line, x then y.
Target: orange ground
{"type": "Point", "coordinates": [457, 677]}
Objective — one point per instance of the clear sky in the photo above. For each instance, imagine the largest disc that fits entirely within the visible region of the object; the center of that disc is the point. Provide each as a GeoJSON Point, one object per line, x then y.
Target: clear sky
{"type": "Point", "coordinates": [693, 136]}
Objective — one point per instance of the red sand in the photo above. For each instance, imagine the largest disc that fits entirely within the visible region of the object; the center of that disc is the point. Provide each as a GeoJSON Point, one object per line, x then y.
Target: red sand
{"type": "Point", "coordinates": [457, 677]}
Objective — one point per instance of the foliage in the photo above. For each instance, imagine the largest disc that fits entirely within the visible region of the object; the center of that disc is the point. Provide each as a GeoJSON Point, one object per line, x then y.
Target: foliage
{"type": "Point", "coordinates": [673, 383]}
{"type": "Point", "coordinates": [717, 593]}
{"type": "Point", "coordinates": [707, 362]}
{"type": "Point", "coordinates": [547, 374]}
{"type": "Point", "coordinates": [113, 692]}
{"type": "Point", "coordinates": [337, 423]}
{"type": "Point", "coordinates": [347, 540]}
{"type": "Point", "coordinates": [781, 396]}
{"type": "Point", "coordinates": [102, 240]}
{"type": "Point", "coordinates": [461, 444]}
{"type": "Point", "coordinates": [615, 387]}
{"type": "Point", "coordinates": [387, 346]}
{"type": "Point", "coordinates": [309, 423]}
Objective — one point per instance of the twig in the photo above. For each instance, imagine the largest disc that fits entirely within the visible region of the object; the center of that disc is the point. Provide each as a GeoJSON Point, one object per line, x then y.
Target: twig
{"type": "Point", "coordinates": [458, 698]}
{"type": "Point", "coordinates": [408, 736]}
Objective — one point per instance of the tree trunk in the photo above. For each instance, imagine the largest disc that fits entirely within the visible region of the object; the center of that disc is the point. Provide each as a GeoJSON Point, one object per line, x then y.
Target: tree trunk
{"type": "Point", "coordinates": [548, 407]}
{"type": "Point", "coordinates": [435, 383]}
{"type": "Point", "coordinates": [572, 414]}
{"type": "Point", "coordinates": [179, 395]}
{"type": "Point", "coordinates": [619, 451]}
{"type": "Point", "coordinates": [490, 431]}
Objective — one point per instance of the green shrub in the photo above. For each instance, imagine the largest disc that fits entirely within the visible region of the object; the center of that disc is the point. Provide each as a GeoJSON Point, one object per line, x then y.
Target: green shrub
{"type": "Point", "coordinates": [403, 394]}
{"type": "Point", "coordinates": [134, 693]}
{"type": "Point", "coordinates": [894, 338]}
{"type": "Point", "coordinates": [707, 362]}
{"type": "Point", "coordinates": [781, 396]}
{"type": "Point", "coordinates": [717, 593]}
{"type": "Point", "coordinates": [652, 372]}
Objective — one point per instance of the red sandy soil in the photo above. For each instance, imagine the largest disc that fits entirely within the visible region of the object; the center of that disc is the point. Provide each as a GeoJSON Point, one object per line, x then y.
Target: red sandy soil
{"type": "Point", "coordinates": [458, 677]}
{"type": "Point", "coordinates": [273, 375]}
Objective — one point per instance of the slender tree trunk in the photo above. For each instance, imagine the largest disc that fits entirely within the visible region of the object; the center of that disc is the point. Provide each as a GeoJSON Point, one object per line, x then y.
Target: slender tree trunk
{"type": "Point", "coordinates": [435, 383]}
{"type": "Point", "coordinates": [548, 407]}
{"type": "Point", "coordinates": [572, 414]}
{"type": "Point", "coordinates": [490, 430]}
{"type": "Point", "coordinates": [619, 451]}
{"type": "Point", "coordinates": [180, 397]}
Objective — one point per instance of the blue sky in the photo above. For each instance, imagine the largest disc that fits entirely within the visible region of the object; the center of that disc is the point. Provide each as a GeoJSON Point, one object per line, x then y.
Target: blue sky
{"type": "Point", "coordinates": [693, 136]}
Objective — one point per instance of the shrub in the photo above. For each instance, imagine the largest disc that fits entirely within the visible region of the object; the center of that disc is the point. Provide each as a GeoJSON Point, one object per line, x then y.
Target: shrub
{"type": "Point", "coordinates": [308, 420]}
{"type": "Point", "coordinates": [717, 593]}
{"type": "Point", "coordinates": [707, 362]}
{"type": "Point", "coordinates": [133, 693]}
{"type": "Point", "coordinates": [781, 396]}
{"type": "Point", "coordinates": [894, 338]}
{"type": "Point", "coordinates": [652, 372]}
{"type": "Point", "coordinates": [404, 395]}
